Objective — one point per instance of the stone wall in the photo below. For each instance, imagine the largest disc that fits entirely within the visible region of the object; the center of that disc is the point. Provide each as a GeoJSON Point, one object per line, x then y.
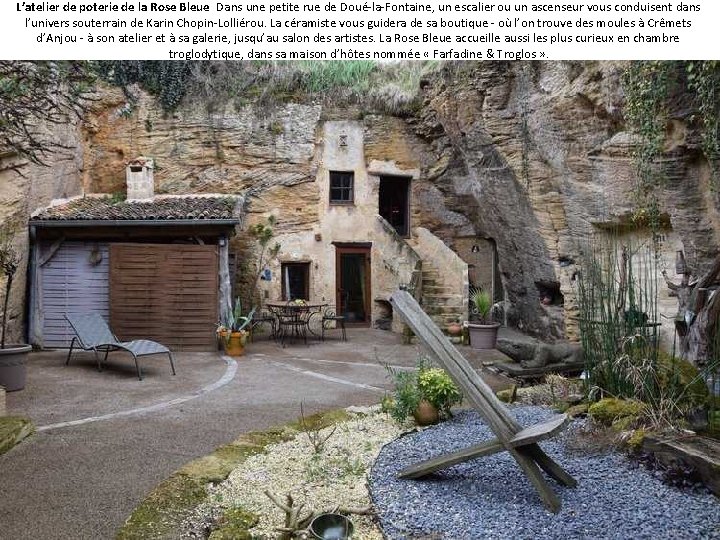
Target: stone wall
{"type": "Point", "coordinates": [341, 147]}
{"type": "Point", "coordinates": [531, 155]}
{"type": "Point", "coordinates": [26, 187]}
{"type": "Point", "coordinates": [535, 157]}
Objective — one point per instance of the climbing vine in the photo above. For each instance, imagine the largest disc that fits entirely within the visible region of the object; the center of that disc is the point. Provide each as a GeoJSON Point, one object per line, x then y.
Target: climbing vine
{"type": "Point", "coordinates": [167, 81]}
{"type": "Point", "coordinates": [650, 88]}
{"type": "Point", "coordinates": [704, 79]}
{"type": "Point", "coordinates": [647, 87]}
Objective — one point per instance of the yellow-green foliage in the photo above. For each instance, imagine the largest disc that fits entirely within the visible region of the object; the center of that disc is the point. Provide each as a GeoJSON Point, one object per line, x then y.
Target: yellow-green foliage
{"type": "Point", "coordinates": [13, 429]}
{"type": "Point", "coordinates": [234, 525]}
{"type": "Point", "coordinates": [609, 410]}
{"type": "Point", "coordinates": [636, 439]}
{"type": "Point", "coordinates": [685, 377]}
{"type": "Point", "coordinates": [438, 388]}
{"type": "Point", "coordinates": [577, 410]}
{"type": "Point", "coordinates": [508, 395]}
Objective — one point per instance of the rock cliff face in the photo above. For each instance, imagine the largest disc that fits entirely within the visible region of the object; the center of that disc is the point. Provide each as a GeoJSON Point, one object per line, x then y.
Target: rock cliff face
{"type": "Point", "coordinates": [531, 155]}
{"type": "Point", "coordinates": [26, 187]}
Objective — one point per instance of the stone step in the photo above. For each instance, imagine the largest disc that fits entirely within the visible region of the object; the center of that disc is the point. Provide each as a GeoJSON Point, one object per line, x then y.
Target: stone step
{"type": "Point", "coordinates": [443, 310]}
{"type": "Point", "coordinates": [456, 303]}
{"type": "Point", "coordinates": [441, 296]}
{"type": "Point", "coordinates": [438, 289]}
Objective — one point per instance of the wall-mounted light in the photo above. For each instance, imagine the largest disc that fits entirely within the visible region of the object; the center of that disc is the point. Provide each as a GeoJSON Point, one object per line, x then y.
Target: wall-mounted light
{"type": "Point", "coordinates": [318, 237]}
{"type": "Point", "coordinates": [343, 140]}
{"type": "Point", "coordinates": [475, 249]}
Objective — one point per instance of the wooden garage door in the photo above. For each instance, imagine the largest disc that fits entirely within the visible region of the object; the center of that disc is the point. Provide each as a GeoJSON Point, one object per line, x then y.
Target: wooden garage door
{"type": "Point", "coordinates": [167, 293]}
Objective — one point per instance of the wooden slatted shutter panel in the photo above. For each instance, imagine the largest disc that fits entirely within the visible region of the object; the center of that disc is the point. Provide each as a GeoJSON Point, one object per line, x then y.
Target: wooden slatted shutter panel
{"type": "Point", "coordinates": [74, 280]}
{"type": "Point", "coordinates": [167, 293]}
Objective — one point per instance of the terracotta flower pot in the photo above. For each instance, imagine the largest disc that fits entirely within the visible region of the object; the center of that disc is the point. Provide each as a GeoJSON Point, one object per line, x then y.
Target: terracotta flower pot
{"type": "Point", "coordinates": [483, 336]}
{"type": "Point", "coordinates": [13, 370]}
{"type": "Point", "coordinates": [426, 413]}
{"type": "Point", "coordinates": [454, 329]}
{"type": "Point", "coordinates": [235, 344]}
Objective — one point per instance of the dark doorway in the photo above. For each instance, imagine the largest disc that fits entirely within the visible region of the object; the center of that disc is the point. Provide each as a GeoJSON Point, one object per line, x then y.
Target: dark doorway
{"type": "Point", "coordinates": [394, 202]}
{"type": "Point", "coordinates": [353, 284]}
{"type": "Point", "coordinates": [296, 281]}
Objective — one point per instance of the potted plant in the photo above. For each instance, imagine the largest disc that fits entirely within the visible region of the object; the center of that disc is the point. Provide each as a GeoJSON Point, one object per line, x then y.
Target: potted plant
{"type": "Point", "coordinates": [454, 328]}
{"type": "Point", "coordinates": [232, 332]}
{"type": "Point", "coordinates": [13, 370]}
{"type": "Point", "coordinates": [426, 393]}
{"type": "Point", "coordinates": [483, 331]}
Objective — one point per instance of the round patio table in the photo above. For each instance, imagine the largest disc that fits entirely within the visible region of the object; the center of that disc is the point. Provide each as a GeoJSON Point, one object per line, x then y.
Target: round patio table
{"type": "Point", "coordinates": [294, 319]}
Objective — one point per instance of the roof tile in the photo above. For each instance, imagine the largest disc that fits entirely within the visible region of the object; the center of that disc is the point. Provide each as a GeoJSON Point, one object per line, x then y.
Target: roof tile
{"type": "Point", "coordinates": [170, 208]}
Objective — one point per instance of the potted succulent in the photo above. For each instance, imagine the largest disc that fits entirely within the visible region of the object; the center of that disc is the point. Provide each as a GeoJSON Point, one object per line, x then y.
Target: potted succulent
{"type": "Point", "coordinates": [426, 394]}
{"type": "Point", "coordinates": [13, 370]}
{"type": "Point", "coordinates": [232, 333]}
{"type": "Point", "coordinates": [483, 331]}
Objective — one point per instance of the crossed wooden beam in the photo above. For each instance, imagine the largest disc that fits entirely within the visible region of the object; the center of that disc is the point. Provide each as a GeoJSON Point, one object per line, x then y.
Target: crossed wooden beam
{"type": "Point", "coordinates": [510, 436]}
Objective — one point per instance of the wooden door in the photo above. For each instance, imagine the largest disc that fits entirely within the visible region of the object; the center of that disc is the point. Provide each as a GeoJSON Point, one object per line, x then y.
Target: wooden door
{"type": "Point", "coordinates": [167, 293]}
{"type": "Point", "coordinates": [73, 280]}
{"type": "Point", "coordinates": [352, 279]}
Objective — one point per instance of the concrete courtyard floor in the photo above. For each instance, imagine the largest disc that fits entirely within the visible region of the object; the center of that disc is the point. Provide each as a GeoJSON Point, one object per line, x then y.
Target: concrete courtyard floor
{"type": "Point", "coordinates": [106, 439]}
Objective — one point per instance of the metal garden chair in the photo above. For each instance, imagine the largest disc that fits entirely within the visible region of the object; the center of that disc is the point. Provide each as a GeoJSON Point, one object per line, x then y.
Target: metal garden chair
{"type": "Point", "coordinates": [93, 334]}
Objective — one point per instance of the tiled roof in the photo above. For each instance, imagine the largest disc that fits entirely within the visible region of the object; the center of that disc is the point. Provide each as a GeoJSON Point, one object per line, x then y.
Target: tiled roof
{"type": "Point", "coordinates": [161, 209]}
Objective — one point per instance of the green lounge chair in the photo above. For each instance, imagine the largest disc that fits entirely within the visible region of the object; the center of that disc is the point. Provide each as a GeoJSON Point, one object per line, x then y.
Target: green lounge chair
{"type": "Point", "coordinates": [93, 334]}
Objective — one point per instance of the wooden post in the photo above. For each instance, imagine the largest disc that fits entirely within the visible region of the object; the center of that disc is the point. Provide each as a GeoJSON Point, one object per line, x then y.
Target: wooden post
{"type": "Point", "coordinates": [225, 292]}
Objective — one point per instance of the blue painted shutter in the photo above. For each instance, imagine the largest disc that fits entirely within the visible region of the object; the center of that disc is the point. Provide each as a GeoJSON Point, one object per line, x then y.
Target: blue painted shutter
{"type": "Point", "coordinates": [71, 283]}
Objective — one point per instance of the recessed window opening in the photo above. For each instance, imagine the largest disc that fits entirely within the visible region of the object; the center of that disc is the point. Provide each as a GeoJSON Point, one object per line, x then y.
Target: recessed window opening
{"type": "Point", "coordinates": [342, 187]}
{"type": "Point", "coordinates": [394, 202]}
{"type": "Point", "coordinates": [295, 281]}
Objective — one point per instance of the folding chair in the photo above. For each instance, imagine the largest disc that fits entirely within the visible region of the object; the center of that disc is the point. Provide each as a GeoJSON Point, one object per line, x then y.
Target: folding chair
{"type": "Point", "coordinates": [510, 436]}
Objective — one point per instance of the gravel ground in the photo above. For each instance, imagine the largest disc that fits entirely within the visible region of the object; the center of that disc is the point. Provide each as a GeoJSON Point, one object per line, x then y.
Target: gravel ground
{"type": "Point", "coordinates": [491, 498]}
{"type": "Point", "coordinates": [335, 477]}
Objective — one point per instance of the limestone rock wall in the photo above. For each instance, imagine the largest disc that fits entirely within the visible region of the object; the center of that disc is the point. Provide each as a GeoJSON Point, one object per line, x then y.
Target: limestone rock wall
{"type": "Point", "coordinates": [26, 187]}
{"type": "Point", "coordinates": [533, 155]}
{"type": "Point", "coordinates": [536, 157]}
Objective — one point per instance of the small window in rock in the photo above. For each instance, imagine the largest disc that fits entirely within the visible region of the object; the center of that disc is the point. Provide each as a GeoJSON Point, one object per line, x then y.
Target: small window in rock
{"type": "Point", "coordinates": [342, 187]}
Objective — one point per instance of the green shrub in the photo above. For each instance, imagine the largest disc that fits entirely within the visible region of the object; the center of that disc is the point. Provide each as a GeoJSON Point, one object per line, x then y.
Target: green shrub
{"type": "Point", "coordinates": [609, 410]}
{"type": "Point", "coordinates": [424, 383]}
{"type": "Point", "coordinates": [437, 387]}
{"type": "Point", "coordinates": [681, 376]}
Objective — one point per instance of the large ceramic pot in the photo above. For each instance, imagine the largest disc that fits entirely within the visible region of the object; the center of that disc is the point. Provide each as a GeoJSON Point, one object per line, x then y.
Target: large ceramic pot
{"type": "Point", "coordinates": [13, 370]}
{"type": "Point", "coordinates": [235, 344]}
{"type": "Point", "coordinates": [483, 336]}
{"type": "Point", "coordinates": [426, 413]}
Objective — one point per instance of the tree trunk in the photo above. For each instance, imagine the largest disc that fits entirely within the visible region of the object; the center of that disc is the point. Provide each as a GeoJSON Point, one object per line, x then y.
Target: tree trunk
{"type": "Point", "coordinates": [698, 312]}
{"type": "Point", "coordinates": [8, 285]}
